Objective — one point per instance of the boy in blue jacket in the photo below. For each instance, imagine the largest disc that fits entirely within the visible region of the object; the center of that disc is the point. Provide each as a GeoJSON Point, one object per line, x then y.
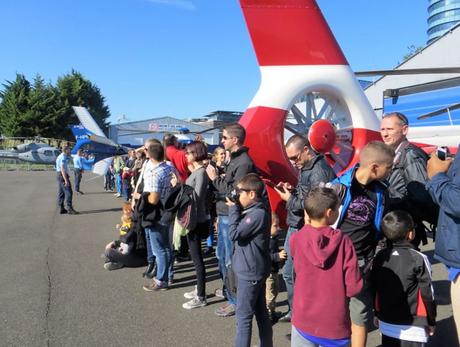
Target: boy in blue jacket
{"type": "Point", "coordinates": [250, 233]}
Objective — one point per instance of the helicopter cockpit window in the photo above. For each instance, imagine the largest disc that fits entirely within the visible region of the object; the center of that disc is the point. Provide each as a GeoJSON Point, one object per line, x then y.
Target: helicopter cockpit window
{"type": "Point", "coordinates": [48, 153]}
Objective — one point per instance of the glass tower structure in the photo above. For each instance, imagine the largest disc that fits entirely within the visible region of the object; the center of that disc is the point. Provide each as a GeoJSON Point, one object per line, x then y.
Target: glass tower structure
{"type": "Point", "coordinates": [442, 15]}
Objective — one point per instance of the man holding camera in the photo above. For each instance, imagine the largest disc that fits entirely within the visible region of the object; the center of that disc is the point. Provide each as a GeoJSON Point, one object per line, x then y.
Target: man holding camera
{"type": "Point", "coordinates": [313, 169]}
{"type": "Point", "coordinates": [240, 165]}
{"type": "Point", "coordinates": [408, 177]}
{"type": "Point", "coordinates": [444, 187]}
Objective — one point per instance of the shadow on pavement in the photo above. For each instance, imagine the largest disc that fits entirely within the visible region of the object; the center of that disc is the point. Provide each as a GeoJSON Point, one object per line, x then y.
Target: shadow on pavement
{"type": "Point", "coordinates": [100, 211]}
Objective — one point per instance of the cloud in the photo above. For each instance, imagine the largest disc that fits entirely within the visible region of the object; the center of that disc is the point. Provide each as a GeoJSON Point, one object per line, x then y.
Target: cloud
{"type": "Point", "coordinates": [182, 4]}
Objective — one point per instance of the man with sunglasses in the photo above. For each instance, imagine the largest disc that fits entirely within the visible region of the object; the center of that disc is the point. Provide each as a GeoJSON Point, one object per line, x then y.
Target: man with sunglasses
{"type": "Point", "coordinates": [409, 175]}
{"type": "Point", "coordinates": [313, 169]}
{"type": "Point", "coordinates": [239, 166]}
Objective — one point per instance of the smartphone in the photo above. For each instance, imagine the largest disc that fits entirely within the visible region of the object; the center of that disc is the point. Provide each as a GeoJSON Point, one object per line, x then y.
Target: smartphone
{"type": "Point", "coordinates": [442, 153]}
{"type": "Point", "coordinates": [281, 188]}
{"type": "Point", "coordinates": [269, 183]}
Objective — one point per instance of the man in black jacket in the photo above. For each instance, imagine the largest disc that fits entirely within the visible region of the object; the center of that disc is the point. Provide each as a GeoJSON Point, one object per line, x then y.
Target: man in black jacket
{"type": "Point", "coordinates": [408, 177]}
{"type": "Point", "coordinates": [313, 169]}
{"type": "Point", "coordinates": [239, 166]}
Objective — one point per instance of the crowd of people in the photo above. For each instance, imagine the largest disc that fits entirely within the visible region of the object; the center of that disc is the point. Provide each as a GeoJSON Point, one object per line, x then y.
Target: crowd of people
{"type": "Point", "coordinates": [351, 249]}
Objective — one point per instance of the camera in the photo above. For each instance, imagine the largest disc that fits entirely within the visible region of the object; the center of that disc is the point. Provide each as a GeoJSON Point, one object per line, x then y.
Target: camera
{"type": "Point", "coordinates": [442, 153]}
{"type": "Point", "coordinates": [234, 196]}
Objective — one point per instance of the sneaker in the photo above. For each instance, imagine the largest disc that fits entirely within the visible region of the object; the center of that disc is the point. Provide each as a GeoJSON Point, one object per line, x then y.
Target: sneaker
{"type": "Point", "coordinates": [196, 302]}
{"type": "Point", "coordinates": [150, 271]}
{"type": "Point", "coordinates": [226, 310]}
{"type": "Point", "coordinates": [70, 210]}
{"type": "Point", "coordinates": [111, 265]}
{"type": "Point", "coordinates": [63, 211]}
{"type": "Point", "coordinates": [219, 293]}
{"type": "Point", "coordinates": [274, 316]}
{"type": "Point", "coordinates": [81, 193]}
{"type": "Point", "coordinates": [209, 251]}
{"type": "Point", "coordinates": [191, 295]}
{"type": "Point", "coordinates": [286, 318]}
{"type": "Point", "coordinates": [155, 287]}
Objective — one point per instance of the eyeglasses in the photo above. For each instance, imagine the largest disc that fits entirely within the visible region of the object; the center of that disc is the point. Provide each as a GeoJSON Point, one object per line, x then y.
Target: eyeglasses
{"type": "Point", "coordinates": [398, 115]}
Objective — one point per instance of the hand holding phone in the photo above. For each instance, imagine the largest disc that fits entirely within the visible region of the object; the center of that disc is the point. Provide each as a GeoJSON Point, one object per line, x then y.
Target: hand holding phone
{"type": "Point", "coordinates": [442, 153]}
{"type": "Point", "coordinates": [280, 187]}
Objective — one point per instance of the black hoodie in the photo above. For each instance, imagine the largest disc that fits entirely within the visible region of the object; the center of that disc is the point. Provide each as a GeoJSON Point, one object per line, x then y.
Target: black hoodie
{"type": "Point", "coordinates": [239, 166]}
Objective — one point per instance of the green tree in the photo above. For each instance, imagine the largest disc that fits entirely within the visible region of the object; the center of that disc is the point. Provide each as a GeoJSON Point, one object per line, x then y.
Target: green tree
{"type": "Point", "coordinates": [75, 90]}
{"type": "Point", "coordinates": [14, 107]}
{"type": "Point", "coordinates": [44, 111]}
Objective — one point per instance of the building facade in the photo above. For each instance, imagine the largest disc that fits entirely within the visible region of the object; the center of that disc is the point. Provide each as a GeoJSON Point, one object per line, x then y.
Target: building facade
{"type": "Point", "coordinates": [442, 15]}
{"type": "Point", "coordinates": [135, 133]}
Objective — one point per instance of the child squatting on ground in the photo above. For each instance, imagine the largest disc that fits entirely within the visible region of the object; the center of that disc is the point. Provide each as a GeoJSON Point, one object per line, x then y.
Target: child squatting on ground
{"type": "Point", "coordinates": [250, 233]}
{"type": "Point", "coordinates": [327, 275]}
{"type": "Point", "coordinates": [116, 249]}
{"type": "Point", "coordinates": [404, 303]}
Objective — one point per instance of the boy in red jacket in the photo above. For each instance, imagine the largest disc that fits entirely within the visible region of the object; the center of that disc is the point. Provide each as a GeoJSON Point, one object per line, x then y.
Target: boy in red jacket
{"type": "Point", "coordinates": [327, 275]}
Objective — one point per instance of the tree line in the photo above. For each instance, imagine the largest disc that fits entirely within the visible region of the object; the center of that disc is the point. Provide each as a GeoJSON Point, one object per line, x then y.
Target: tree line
{"type": "Point", "coordinates": [29, 109]}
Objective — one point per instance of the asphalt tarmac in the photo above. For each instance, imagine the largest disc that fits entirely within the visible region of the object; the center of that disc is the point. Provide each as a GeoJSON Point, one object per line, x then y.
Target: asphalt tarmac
{"type": "Point", "coordinates": [55, 292]}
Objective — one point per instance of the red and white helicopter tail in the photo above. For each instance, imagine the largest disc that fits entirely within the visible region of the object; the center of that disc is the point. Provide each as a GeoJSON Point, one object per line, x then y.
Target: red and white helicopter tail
{"type": "Point", "coordinates": [307, 87]}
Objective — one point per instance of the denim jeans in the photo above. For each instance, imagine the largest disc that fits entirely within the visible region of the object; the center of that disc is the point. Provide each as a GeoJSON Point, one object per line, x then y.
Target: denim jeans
{"type": "Point", "coordinates": [77, 175]}
{"type": "Point", "coordinates": [108, 181]}
{"type": "Point", "coordinates": [250, 302]}
{"type": "Point", "coordinates": [158, 237]}
{"type": "Point", "coordinates": [64, 192]}
{"type": "Point", "coordinates": [210, 239]}
{"type": "Point", "coordinates": [126, 190]}
{"type": "Point", "coordinates": [288, 269]}
{"type": "Point", "coordinates": [118, 183]}
{"type": "Point", "coordinates": [172, 256]}
{"type": "Point", "coordinates": [150, 256]}
{"type": "Point", "coordinates": [224, 252]}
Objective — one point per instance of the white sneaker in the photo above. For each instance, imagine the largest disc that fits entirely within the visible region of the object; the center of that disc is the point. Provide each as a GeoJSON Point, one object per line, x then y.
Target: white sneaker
{"type": "Point", "coordinates": [191, 295]}
{"type": "Point", "coordinates": [196, 302]}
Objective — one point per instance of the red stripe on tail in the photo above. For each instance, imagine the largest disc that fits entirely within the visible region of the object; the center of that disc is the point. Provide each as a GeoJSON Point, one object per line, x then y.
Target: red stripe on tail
{"type": "Point", "coordinates": [291, 32]}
